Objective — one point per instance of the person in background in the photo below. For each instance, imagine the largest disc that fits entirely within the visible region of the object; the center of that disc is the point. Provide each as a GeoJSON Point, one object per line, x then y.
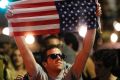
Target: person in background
{"type": "Point", "coordinates": [70, 46]}
{"type": "Point", "coordinates": [18, 65]}
{"type": "Point", "coordinates": [106, 61]}
{"type": "Point", "coordinates": [89, 72]}
{"type": "Point", "coordinates": [1, 63]}
{"type": "Point", "coordinates": [5, 62]}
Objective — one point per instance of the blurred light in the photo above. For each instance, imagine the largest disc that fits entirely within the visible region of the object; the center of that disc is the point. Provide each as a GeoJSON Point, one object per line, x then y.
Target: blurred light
{"type": "Point", "coordinates": [82, 30]}
{"type": "Point", "coordinates": [116, 25]}
{"type": "Point", "coordinates": [4, 3]}
{"type": "Point", "coordinates": [6, 31]}
{"type": "Point", "coordinates": [29, 39]}
{"type": "Point", "coordinates": [114, 37]}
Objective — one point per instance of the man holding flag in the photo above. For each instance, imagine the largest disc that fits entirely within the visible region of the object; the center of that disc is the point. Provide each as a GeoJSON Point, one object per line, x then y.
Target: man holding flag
{"type": "Point", "coordinates": [53, 65]}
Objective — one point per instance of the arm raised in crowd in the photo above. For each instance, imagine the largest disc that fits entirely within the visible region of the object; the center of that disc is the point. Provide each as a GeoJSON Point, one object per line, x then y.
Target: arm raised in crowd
{"type": "Point", "coordinates": [82, 56]}
{"type": "Point", "coordinates": [27, 55]}
{"type": "Point", "coordinates": [88, 42]}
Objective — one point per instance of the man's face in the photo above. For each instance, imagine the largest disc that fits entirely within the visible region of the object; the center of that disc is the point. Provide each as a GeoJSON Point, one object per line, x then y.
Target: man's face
{"type": "Point", "coordinates": [54, 59]}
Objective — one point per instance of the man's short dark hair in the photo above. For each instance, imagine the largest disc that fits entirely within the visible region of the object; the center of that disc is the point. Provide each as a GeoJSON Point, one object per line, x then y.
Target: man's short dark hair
{"type": "Point", "coordinates": [46, 39]}
{"type": "Point", "coordinates": [44, 51]}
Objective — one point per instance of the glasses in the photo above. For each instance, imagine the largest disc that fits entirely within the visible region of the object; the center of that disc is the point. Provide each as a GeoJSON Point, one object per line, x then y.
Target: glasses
{"type": "Point", "coordinates": [54, 56]}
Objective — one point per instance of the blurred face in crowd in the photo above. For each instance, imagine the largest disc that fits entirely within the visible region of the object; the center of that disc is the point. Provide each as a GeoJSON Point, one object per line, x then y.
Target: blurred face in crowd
{"type": "Point", "coordinates": [54, 60]}
{"type": "Point", "coordinates": [53, 41]}
{"type": "Point", "coordinates": [17, 58]}
{"type": "Point", "coordinates": [7, 46]}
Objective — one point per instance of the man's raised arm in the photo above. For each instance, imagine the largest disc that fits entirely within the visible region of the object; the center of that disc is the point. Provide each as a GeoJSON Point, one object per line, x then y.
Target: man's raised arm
{"type": "Point", "coordinates": [82, 56]}
{"type": "Point", "coordinates": [88, 42]}
{"type": "Point", "coordinates": [27, 55]}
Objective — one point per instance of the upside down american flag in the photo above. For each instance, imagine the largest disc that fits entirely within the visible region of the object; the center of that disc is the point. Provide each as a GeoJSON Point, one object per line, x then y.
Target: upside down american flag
{"type": "Point", "coordinates": [40, 17]}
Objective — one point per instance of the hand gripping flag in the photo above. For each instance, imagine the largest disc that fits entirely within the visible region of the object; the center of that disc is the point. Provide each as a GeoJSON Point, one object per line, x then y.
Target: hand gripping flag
{"type": "Point", "coordinates": [51, 16]}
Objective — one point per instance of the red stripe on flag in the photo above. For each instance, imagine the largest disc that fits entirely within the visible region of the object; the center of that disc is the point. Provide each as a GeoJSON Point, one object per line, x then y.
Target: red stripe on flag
{"type": "Point", "coordinates": [34, 23]}
{"type": "Point", "coordinates": [37, 32]}
{"type": "Point", "coordinates": [37, 14]}
{"type": "Point", "coordinates": [31, 14]}
{"type": "Point", "coordinates": [33, 5]}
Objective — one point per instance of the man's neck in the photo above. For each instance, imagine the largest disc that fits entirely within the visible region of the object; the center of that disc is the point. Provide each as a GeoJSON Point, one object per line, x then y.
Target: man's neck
{"type": "Point", "coordinates": [53, 74]}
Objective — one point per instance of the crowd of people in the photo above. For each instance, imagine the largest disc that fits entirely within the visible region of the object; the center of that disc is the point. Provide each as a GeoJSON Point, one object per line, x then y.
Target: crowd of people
{"type": "Point", "coordinates": [63, 56]}
{"type": "Point", "coordinates": [59, 56]}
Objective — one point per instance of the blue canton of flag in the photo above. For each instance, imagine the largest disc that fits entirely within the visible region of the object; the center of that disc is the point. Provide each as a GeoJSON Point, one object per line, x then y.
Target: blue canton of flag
{"type": "Point", "coordinates": [74, 13]}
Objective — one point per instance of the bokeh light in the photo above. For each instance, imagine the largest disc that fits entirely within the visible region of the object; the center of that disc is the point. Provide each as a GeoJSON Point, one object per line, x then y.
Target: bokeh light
{"type": "Point", "coordinates": [116, 25]}
{"type": "Point", "coordinates": [6, 31]}
{"type": "Point", "coordinates": [82, 30]}
{"type": "Point", "coordinates": [4, 3]}
{"type": "Point", "coordinates": [114, 37]}
{"type": "Point", "coordinates": [29, 39]}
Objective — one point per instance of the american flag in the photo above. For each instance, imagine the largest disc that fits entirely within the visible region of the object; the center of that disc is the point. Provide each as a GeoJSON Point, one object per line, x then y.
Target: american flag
{"type": "Point", "coordinates": [52, 16]}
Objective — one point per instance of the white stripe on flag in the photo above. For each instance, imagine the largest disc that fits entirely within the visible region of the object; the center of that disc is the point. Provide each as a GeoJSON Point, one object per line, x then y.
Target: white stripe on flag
{"type": "Point", "coordinates": [32, 28]}
{"type": "Point", "coordinates": [28, 10]}
{"type": "Point", "coordinates": [34, 18]}
{"type": "Point", "coordinates": [32, 1]}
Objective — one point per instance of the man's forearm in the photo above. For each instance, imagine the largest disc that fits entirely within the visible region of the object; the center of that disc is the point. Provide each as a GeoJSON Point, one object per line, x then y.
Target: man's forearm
{"type": "Point", "coordinates": [26, 54]}
{"type": "Point", "coordinates": [84, 53]}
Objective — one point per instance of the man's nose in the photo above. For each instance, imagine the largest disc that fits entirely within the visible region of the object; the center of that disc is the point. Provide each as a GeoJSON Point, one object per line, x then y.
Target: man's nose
{"type": "Point", "coordinates": [58, 56]}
